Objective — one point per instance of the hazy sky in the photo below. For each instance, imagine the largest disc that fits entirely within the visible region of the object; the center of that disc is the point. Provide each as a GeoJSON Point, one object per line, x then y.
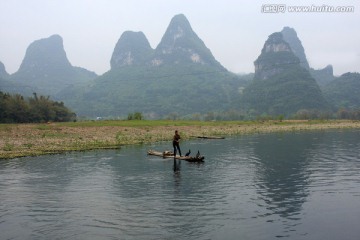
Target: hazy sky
{"type": "Point", "coordinates": [234, 30]}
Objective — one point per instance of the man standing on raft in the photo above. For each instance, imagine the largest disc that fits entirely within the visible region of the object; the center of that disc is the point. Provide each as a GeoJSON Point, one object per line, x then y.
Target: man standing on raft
{"type": "Point", "coordinates": [176, 142]}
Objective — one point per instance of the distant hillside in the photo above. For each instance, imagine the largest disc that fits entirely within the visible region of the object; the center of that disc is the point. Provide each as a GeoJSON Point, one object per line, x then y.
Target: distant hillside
{"type": "Point", "coordinates": [344, 91]}
{"type": "Point", "coordinates": [158, 92]}
{"type": "Point", "coordinates": [3, 73]}
{"type": "Point", "coordinates": [323, 76]}
{"type": "Point", "coordinates": [46, 69]}
{"type": "Point", "coordinates": [180, 76]}
{"type": "Point", "coordinates": [6, 85]}
{"type": "Point", "coordinates": [281, 85]}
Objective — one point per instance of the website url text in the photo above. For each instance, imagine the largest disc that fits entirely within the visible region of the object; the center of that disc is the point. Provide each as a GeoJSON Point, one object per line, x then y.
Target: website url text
{"type": "Point", "coordinates": [282, 8]}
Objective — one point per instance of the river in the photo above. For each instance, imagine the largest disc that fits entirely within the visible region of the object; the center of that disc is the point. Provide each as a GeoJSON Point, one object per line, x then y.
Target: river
{"type": "Point", "coordinates": [295, 185]}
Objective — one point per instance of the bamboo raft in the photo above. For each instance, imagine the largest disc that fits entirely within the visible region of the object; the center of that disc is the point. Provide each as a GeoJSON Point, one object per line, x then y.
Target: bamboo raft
{"type": "Point", "coordinates": [208, 137]}
{"type": "Point", "coordinates": [169, 154]}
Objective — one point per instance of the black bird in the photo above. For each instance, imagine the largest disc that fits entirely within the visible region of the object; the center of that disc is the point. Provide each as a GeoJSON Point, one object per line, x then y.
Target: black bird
{"type": "Point", "coordinates": [198, 154]}
{"type": "Point", "coordinates": [188, 153]}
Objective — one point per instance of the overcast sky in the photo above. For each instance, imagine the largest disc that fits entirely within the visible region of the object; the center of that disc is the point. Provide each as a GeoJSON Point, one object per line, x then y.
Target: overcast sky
{"type": "Point", "coordinates": [234, 30]}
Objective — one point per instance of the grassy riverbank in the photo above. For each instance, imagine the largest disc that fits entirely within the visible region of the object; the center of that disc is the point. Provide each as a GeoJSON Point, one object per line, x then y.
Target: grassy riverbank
{"type": "Point", "coordinates": [18, 140]}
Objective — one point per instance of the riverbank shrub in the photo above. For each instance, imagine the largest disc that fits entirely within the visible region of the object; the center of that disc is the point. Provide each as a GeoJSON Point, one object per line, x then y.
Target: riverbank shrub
{"type": "Point", "coordinates": [14, 108]}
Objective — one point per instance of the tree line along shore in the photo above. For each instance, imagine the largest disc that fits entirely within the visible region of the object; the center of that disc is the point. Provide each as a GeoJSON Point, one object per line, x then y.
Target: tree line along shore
{"type": "Point", "coordinates": [20, 140]}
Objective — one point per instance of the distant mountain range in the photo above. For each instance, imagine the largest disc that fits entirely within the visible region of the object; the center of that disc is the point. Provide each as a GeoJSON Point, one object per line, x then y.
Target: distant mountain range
{"type": "Point", "coordinates": [182, 77]}
{"type": "Point", "coordinates": [179, 77]}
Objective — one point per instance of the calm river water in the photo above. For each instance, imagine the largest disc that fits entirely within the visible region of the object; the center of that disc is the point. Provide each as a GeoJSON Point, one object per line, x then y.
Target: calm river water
{"type": "Point", "coordinates": [268, 186]}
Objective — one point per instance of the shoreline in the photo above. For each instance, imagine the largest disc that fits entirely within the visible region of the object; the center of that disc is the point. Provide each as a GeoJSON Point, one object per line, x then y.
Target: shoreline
{"type": "Point", "coordinates": [22, 140]}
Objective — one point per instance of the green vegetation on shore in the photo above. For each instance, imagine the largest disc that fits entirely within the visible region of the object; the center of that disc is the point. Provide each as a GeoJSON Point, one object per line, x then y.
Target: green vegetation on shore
{"type": "Point", "coordinates": [19, 140]}
{"type": "Point", "coordinates": [14, 108]}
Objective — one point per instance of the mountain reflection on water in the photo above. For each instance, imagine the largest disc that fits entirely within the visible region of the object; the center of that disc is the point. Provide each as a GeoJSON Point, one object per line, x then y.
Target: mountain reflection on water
{"type": "Point", "coordinates": [282, 176]}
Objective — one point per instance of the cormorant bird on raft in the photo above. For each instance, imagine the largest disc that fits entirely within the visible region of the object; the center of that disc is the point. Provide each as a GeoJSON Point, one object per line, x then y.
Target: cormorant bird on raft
{"type": "Point", "coordinates": [198, 154]}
